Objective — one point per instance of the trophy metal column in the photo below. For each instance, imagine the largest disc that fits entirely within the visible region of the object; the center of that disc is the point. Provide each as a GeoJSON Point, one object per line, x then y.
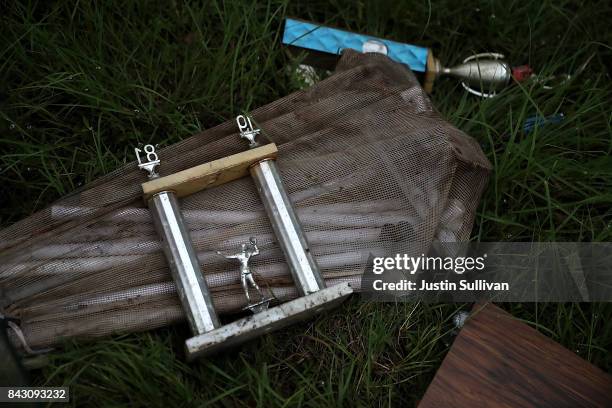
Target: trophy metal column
{"type": "Point", "coordinates": [285, 222]}
{"type": "Point", "coordinates": [161, 195]}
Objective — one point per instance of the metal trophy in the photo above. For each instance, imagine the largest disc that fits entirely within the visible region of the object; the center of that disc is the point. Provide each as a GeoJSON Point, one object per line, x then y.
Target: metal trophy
{"type": "Point", "coordinates": [246, 276]}
{"type": "Point", "coordinates": [162, 194]}
{"type": "Point", "coordinates": [480, 74]}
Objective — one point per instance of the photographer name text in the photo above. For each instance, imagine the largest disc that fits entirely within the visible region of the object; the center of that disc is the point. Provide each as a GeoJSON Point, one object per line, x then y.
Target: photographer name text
{"type": "Point", "coordinates": [445, 285]}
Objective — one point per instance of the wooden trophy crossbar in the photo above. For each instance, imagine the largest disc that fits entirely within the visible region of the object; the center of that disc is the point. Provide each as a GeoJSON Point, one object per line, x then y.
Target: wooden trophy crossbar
{"type": "Point", "coordinates": [161, 195]}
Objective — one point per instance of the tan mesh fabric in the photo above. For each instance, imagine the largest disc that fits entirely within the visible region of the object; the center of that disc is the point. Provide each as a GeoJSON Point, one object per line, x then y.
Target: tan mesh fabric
{"type": "Point", "coordinates": [366, 160]}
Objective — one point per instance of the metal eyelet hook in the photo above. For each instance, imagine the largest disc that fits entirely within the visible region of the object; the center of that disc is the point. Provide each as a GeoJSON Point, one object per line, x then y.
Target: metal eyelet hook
{"type": "Point", "coordinates": [478, 93]}
{"type": "Point", "coordinates": [555, 80]}
{"type": "Point", "coordinates": [493, 55]}
{"type": "Point", "coordinates": [552, 81]}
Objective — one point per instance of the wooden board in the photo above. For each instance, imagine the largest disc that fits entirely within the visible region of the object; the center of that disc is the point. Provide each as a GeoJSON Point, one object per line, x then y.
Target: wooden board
{"type": "Point", "coordinates": [210, 174]}
{"type": "Point", "coordinates": [430, 72]}
{"type": "Point", "coordinates": [498, 361]}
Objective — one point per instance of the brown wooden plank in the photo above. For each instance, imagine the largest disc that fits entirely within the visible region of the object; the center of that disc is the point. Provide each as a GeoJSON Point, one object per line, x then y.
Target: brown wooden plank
{"type": "Point", "coordinates": [430, 72]}
{"type": "Point", "coordinates": [210, 174]}
{"type": "Point", "coordinates": [498, 361]}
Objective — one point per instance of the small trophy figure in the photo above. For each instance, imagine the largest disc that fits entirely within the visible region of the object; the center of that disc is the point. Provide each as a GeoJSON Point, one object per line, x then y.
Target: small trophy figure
{"type": "Point", "coordinates": [246, 276]}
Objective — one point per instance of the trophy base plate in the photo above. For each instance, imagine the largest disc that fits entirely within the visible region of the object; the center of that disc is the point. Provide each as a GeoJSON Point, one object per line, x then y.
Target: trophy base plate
{"type": "Point", "coordinates": [259, 306]}
{"type": "Point", "coordinates": [250, 327]}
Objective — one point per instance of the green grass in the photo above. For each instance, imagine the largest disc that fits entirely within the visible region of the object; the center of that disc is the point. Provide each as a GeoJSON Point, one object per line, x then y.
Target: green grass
{"type": "Point", "coordinates": [80, 84]}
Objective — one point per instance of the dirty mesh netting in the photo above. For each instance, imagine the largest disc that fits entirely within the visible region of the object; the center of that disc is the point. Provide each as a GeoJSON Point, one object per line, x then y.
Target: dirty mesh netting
{"type": "Point", "coordinates": [366, 160]}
